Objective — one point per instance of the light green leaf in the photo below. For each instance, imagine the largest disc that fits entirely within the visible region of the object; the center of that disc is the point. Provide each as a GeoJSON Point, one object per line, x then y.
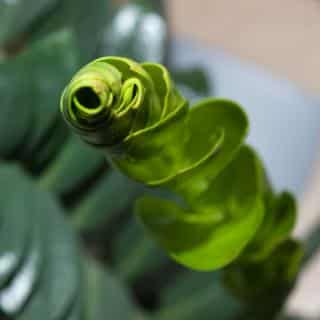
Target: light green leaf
{"type": "Point", "coordinates": [214, 236]}
{"type": "Point", "coordinates": [219, 189]}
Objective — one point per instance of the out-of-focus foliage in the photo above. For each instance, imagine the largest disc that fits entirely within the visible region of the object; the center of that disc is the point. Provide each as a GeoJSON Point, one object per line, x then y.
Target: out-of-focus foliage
{"type": "Point", "coordinates": [44, 275]}
{"type": "Point", "coordinates": [44, 272]}
{"type": "Point", "coordinates": [16, 16]}
{"type": "Point", "coordinates": [139, 31]}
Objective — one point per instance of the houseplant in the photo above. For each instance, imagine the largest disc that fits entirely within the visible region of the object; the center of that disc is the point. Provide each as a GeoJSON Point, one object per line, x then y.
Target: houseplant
{"type": "Point", "coordinates": [53, 185]}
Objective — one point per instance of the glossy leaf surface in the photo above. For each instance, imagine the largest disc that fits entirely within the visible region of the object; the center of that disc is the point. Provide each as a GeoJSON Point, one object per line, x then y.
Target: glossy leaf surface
{"type": "Point", "coordinates": [50, 281]}
{"type": "Point", "coordinates": [16, 16]}
{"type": "Point", "coordinates": [86, 21]}
{"type": "Point", "coordinates": [30, 86]}
{"type": "Point", "coordinates": [137, 115]}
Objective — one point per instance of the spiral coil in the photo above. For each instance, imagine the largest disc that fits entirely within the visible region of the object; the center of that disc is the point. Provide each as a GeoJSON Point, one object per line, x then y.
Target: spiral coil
{"type": "Point", "coordinates": [223, 207]}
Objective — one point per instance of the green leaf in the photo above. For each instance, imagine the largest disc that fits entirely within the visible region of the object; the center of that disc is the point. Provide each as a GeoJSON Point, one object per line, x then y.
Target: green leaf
{"type": "Point", "coordinates": [17, 292]}
{"type": "Point", "coordinates": [52, 252]}
{"type": "Point", "coordinates": [29, 86]}
{"type": "Point", "coordinates": [13, 128]}
{"type": "Point", "coordinates": [13, 245]}
{"type": "Point", "coordinates": [135, 254]}
{"type": "Point", "coordinates": [198, 295]}
{"type": "Point", "coordinates": [49, 65]}
{"type": "Point", "coordinates": [86, 21]}
{"type": "Point", "coordinates": [79, 160]}
{"type": "Point", "coordinates": [211, 240]}
{"type": "Point", "coordinates": [193, 82]}
{"type": "Point", "coordinates": [106, 297]}
{"type": "Point", "coordinates": [102, 203]}
{"type": "Point", "coordinates": [53, 280]}
{"type": "Point", "coordinates": [219, 190]}
{"type": "Point", "coordinates": [276, 275]}
{"type": "Point", "coordinates": [17, 15]}
{"type": "Point", "coordinates": [55, 293]}
{"type": "Point", "coordinates": [50, 148]}
{"type": "Point", "coordinates": [14, 296]}
{"type": "Point", "coordinates": [276, 227]}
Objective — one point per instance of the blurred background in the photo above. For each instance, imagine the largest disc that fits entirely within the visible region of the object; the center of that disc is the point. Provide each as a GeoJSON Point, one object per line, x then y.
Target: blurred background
{"type": "Point", "coordinates": [283, 38]}
{"type": "Point", "coordinates": [281, 41]}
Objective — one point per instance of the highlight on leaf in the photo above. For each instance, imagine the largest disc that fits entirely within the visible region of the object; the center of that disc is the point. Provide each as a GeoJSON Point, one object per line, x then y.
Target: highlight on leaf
{"type": "Point", "coordinates": [223, 209]}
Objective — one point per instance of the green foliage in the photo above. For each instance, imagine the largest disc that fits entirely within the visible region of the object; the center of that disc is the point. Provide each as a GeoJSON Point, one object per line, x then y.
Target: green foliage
{"type": "Point", "coordinates": [58, 185]}
{"type": "Point", "coordinates": [54, 56]}
{"type": "Point", "coordinates": [139, 31]}
{"type": "Point", "coordinates": [16, 16]}
{"type": "Point", "coordinates": [137, 115]}
{"type": "Point", "coordinates": [86, 21]}
{"type": "Point", "coordinates": [44, 274]}
{"type": "Point", "coordinates": [225, 211]}
{"type": "Point", "coordinates": [40, 252]}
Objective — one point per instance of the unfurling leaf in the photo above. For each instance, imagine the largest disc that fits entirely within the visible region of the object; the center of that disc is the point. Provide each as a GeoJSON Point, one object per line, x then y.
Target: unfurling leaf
{"type": "Point", "coordinates": [220, 209]}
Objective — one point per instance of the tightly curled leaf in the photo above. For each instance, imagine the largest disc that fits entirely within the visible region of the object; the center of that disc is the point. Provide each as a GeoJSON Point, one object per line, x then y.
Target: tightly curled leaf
{"type": "Point", "coordinates": [135, 114]}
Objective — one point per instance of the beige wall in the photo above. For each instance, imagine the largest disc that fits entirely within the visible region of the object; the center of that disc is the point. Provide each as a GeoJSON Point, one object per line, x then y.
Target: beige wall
{"type": "Point", "coordinates": [281, 35]}
{"type": "Point", "coordinates": [284, 36]}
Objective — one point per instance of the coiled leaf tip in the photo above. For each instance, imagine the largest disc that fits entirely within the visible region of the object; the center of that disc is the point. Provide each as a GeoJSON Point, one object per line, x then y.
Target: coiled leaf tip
{"type": "Point", "coordinates": [135, 113]}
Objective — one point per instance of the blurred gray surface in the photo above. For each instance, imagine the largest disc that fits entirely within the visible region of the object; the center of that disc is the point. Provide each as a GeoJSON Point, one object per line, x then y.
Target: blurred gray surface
{"type": "Point", "coordinates": [284, 121]}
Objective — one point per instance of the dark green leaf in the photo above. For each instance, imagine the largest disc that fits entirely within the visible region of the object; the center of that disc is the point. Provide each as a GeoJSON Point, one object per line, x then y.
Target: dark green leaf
{"type": "Point", "coordinates": [50, 148]}
{"type": "Point", "coordinates": [48, 64]}
{"type": "Point", "coordinates": [134, 253]}
{"type": "Point", "coordinates": [111, 195]}
{"type": "Point", "coordinates": [46, 284]}
{"type": "Point", "coordinates": [198, 296]}
{"type": "Point", "coordinates": [75, 163]}
{"type": "Point", "coordinates": [13, 128]}
{"type": "Point", "coordinates": [106, 298]}
{"type": "Point", "coordinates": [16, 15]}
{"type": "Point", "coordinates": [193, 83]}
{"type": "Point", "coordinates": [17, 291]}
{"type": "Point", "coordinates": [30, 86]}
{"type": "Point", "coordinates": [86, 20]}
{"type": "Point", "coordinates": [13, 245]}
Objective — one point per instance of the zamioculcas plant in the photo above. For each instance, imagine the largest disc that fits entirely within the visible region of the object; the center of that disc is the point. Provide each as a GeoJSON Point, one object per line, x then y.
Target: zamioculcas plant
{"type": "Point", "coordinates": [70, 247]}
{"type": "Point", "coordinates": [218, 208]}
{"type": "Point", "coordinates": [44, 274]}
